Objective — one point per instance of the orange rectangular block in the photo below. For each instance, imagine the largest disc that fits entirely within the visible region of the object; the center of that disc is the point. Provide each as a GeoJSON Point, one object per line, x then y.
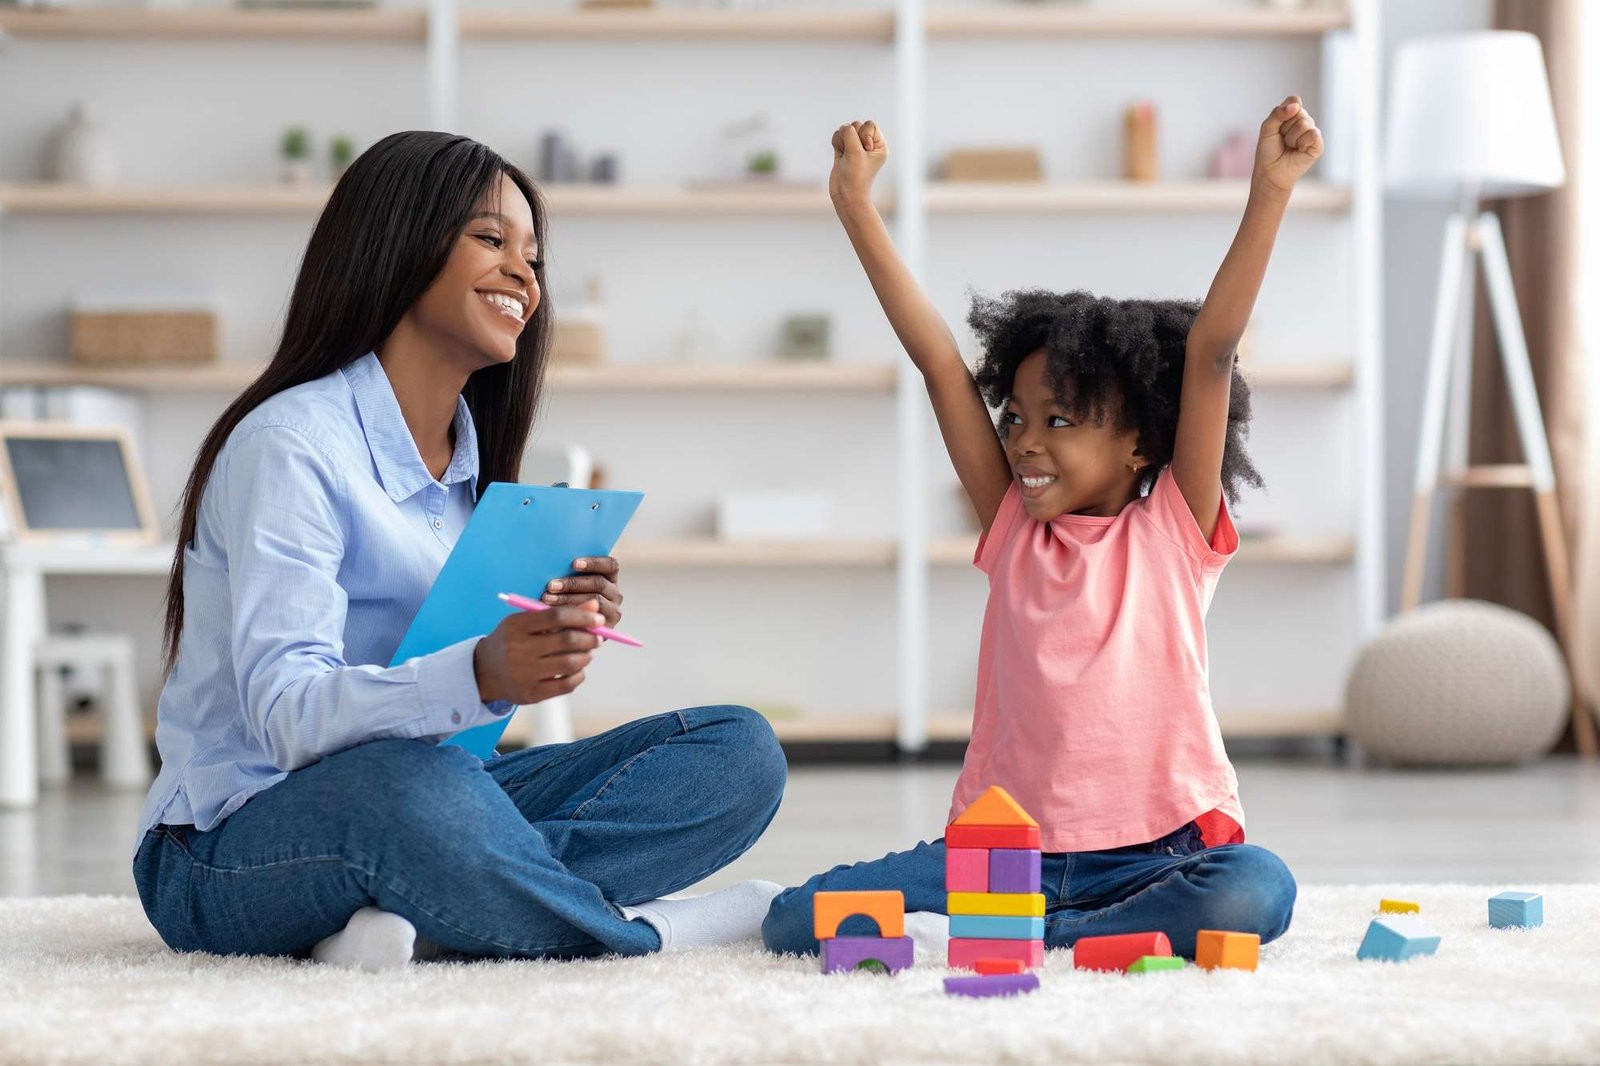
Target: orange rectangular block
{"type": "Point", "coordinates": [1215, 949]}
{"type": "Point", "coordinates": [992, 836]}
{"type": "Point", "coordinates": [888, 909]}
{"type": "Point", "coordinates": [994, 966]}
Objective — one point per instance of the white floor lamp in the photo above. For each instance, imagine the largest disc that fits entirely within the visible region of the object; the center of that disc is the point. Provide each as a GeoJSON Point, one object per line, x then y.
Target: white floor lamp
{"type": "Point", "coordinates": [1470, 119]}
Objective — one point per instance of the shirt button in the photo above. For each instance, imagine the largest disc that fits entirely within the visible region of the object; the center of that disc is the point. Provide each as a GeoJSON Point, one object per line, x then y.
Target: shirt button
{"type": "Point", "coordinates": [455, 717]}
{"type": "Point", "coordinates": [437, 524]}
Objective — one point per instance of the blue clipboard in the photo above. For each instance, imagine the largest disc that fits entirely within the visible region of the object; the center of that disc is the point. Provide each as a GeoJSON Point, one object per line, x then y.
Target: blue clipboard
{"type": "Point", "coordinates": [519, 539]}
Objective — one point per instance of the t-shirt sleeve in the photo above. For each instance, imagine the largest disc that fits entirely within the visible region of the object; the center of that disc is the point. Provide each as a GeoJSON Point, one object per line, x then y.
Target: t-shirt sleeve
{"type": "Point", "coordinates": [1005, 520]}
{"type": "Point", "coordinates": [1169, 512]}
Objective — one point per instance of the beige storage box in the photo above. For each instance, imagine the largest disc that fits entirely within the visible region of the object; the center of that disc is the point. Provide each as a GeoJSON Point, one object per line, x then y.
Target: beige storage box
{"type": "Point", "coordinates": [135, 337]}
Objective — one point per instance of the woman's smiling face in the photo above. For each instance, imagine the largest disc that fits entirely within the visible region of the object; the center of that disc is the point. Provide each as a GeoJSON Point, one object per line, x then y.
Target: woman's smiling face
{"type": "Point", "coordinates": [482, 299]}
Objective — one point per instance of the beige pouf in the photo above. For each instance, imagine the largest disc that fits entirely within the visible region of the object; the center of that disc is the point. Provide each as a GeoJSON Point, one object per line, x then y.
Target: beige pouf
{"type": "Point", "coordinates": [1458, 682]}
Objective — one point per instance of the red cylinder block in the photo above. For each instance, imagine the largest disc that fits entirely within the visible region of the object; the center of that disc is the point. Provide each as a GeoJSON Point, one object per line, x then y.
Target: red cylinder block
{"type": "Point", "coordinates": [1117, 952]}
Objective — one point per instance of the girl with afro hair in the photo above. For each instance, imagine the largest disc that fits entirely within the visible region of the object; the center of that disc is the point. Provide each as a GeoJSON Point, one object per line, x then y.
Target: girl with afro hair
{"type": "Point", "coordinates": [1104, 502]}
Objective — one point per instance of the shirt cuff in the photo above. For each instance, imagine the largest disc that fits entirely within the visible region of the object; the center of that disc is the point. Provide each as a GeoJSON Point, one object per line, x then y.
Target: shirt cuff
{"type": "Point", "coordinates": [448, 686]}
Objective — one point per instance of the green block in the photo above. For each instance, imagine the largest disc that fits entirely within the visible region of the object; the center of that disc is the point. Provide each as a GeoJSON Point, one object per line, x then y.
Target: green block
{"type": "Point", "coordinates": [1155, 963]}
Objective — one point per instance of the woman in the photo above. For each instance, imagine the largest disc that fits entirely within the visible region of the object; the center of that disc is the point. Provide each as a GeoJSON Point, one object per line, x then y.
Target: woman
{"type": "Point", "coordinates": [304, 804]}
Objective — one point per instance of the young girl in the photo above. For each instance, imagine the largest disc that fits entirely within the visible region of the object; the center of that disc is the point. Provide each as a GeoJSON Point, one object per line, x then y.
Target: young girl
{"type": "Point", "coordinates": [1104, 533]}
{"type": "Point", "coordinates": [305, 804]}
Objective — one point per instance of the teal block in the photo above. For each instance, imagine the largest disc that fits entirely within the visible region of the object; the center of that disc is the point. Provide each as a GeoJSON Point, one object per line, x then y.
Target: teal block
{"type": "Point", "coordinates": [995, 927]}
{"type": "Point", "coordinates": [1516, 910]}
{"type": "Point", "coordinates": [1397, 937]}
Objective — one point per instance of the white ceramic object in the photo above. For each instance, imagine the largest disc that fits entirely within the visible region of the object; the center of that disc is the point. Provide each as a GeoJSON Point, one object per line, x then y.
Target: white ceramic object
{"type": "Point", "coordinates": [84, 155]}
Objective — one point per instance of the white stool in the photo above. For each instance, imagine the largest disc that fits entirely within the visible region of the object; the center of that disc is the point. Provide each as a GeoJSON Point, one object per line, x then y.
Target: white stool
{"type": "Point", "coordinates": [124, 756]}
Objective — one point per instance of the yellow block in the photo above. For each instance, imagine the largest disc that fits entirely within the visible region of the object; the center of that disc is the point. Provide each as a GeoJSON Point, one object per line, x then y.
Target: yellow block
{"type": "Point", "coordinates": [1397, 906]}
{"type": "Point", "coordinates": [1003, 904]}
{"type": "Point", "coordinates": [1217, 950]}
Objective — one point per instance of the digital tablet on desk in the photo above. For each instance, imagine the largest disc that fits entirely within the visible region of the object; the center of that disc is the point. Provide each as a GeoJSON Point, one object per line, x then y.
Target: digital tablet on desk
{"type": "Point", "coordinates": [519, 539]}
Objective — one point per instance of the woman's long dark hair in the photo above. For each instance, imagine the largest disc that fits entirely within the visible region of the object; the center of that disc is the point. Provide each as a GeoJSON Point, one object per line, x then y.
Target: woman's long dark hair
{"type": "Point", "coordinates": [382, 239]}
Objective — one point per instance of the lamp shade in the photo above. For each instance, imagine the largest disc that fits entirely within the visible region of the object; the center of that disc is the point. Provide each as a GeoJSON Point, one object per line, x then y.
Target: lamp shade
{"type": "Point", "coordinates": [1472, 111]}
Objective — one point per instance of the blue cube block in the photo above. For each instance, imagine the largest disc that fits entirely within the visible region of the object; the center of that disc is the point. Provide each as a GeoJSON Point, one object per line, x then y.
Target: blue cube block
{"type": "Point", "coordinates": [1397, 937]}
{"type": "Point", "coordinates": [1514, 910]}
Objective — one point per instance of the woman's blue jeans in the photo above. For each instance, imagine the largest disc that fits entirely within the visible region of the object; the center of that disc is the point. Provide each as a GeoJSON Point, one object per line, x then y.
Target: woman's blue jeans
{"type": "Point", "coordinates": [1175, 885]}
{"type": "Point", "coordinates": [527, 855]}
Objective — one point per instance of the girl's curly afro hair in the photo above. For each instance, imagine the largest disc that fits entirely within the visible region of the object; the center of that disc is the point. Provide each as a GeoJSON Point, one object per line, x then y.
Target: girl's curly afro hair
{"type": "Point", "coordinates": [1108, 360]}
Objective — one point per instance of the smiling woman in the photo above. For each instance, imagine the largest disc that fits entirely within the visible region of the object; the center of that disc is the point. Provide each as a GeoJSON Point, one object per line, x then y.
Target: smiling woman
{"type": "Point", "coordinates": [305, 805]}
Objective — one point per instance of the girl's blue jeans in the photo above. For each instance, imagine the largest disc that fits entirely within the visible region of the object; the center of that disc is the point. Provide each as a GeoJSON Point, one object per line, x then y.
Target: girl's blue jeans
{"type": "Point", "coordinates": [527, 855]}
{"type": "Point", "coordinates": [1175, 885]}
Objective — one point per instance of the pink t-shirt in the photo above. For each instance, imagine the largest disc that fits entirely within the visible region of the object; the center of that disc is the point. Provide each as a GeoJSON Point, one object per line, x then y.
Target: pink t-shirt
{"type": "Point", "coordinates": [1093, 707]}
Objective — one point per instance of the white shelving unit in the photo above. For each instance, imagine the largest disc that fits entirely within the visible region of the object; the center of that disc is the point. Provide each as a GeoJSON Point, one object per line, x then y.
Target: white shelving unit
{"type": "Point", "coordinates": [908, 35]}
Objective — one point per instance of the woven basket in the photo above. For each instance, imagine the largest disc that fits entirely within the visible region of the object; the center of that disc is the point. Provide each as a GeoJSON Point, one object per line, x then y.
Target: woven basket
{"type": "Point", "coordinates": [143, 338]}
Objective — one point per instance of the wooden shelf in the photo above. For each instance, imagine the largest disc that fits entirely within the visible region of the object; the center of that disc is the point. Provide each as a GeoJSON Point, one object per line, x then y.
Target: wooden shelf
{"type": "Point", "coordinates": [1326, 551]}
{"type": "Point", "coordinates": [876, 726]}
{"type": "Point", "coordinates": [712, 553]}
{"type": "Point", "coordinates": [684, 24]}
{"type": "Point", "coordinates": [384, 24]}
{"type": "Point", "coordinates": [1015, 198]}
{"type": "Point", "coordinates": [1089, 20]}
{"type": "Point", "coordinates": [1312, 376]}
{"type": "Point", "coordinates": [645, 377]}
{"type": "Point", "coordinates": [835, 727]}
{"type": "Point", "coordinates": [732, 198]}
{"type": "Point", "coordinates": [149, 24]}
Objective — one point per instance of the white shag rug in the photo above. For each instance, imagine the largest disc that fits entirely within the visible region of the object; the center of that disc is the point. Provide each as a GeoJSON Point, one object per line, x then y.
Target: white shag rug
{"type": "Point", "coordinates": [86, 980]}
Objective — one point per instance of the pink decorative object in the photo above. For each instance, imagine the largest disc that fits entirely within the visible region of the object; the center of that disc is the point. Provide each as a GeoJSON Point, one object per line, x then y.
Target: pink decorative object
{"type": "Point", "coordinates": [1234, 158]}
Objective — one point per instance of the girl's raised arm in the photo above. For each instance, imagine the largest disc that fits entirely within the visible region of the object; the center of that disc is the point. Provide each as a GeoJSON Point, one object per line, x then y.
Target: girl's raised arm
{"type": "Point", "coordinates": [1290, 142]}
{"type": "Point", "coordinates": [859, 152]}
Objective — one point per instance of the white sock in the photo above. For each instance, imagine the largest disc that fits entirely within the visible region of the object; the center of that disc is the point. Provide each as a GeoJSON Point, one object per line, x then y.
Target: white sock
{"type": "Point", "coordinates": [930, 933]}
{"type": "Point", "coordinates": [372, 940]}
{"type": "Point", "coordinates": [724, 917]}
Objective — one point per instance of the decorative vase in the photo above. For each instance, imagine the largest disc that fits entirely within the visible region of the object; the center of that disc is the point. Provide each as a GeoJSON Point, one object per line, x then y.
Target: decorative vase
{"type": "Point", "coordinates": [84, 155]}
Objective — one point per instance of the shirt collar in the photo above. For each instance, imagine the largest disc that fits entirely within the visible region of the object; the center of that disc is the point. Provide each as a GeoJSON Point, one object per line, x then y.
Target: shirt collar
{"type": "Point", "coordinates": [401, 470]}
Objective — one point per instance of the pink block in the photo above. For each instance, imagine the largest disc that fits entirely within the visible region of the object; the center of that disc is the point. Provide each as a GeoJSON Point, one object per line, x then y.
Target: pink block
{"type": "Point", "coordinates": [965, 952]}
{"type": "Point", "coordinates": [967, 870]}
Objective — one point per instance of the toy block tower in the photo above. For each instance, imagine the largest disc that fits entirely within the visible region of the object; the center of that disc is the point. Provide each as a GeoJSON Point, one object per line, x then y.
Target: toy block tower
{"type": "Point", "coordinates": [992, 876]}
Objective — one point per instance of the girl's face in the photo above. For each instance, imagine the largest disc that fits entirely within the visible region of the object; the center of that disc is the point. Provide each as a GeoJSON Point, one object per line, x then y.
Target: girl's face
{"type": "Point", "coordinates": [1062, 465]}
{"type": "Point", "coordinates": [487, 291]}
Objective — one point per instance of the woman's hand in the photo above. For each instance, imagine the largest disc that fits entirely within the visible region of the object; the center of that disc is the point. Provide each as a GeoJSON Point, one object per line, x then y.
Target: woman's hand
{"type": "Point", "coordinates": [534, 655]}
{"type": "Point", "coordinates": [1290, 142]}
{"type": "Point", "coordinates": [859, 152]}
{"type": "Point", "coordinates": [599, 578]}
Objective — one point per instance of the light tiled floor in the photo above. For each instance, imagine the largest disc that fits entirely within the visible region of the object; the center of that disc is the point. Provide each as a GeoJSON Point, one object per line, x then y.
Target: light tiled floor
{"type": "Point", "coordinates": [1330, 823]}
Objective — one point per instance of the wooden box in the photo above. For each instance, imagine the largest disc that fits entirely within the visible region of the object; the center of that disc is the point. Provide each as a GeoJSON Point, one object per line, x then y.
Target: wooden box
{"type": "Point", "coordinates": [142, 338]}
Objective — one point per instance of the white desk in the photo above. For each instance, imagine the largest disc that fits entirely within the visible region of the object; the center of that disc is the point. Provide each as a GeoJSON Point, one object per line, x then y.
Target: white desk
{"type": "Point", "coordinates": [23, 568]}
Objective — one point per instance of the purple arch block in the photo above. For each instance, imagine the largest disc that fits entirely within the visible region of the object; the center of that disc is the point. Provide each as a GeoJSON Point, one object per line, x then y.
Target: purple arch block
{"type": "Point", "coordinates": [844, 953]}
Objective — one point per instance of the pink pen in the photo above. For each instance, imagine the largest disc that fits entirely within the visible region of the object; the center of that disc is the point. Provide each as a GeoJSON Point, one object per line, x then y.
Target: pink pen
{"type": "Point", "coordinates": [525, 604]}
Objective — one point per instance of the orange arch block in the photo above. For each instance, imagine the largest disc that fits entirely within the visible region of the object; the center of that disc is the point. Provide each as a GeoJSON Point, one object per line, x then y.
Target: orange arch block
{"type": "Point", "coordinates": [888, 909]}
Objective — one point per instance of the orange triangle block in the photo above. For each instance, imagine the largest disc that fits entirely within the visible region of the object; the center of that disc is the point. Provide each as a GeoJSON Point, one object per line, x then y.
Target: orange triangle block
{"type": "Point", "coordinates": [995, 807]}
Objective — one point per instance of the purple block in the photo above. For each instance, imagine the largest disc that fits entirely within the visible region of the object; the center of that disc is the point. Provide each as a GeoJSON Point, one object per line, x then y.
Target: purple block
{"type": "Point", "coordinates": [999, 984]}
{"type": "Point", "coordinates": [844, 953]}
{"type": "Point", "coordinates": [1013, 870]}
